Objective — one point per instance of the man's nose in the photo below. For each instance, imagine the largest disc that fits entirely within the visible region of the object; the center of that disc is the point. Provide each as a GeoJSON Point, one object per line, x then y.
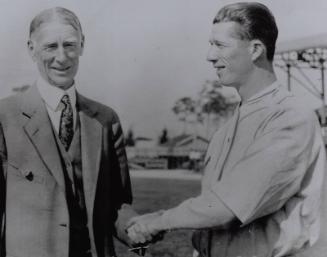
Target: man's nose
{"type": "Point", "coordinates": [61, 55]}
{"type": "Point", "coordinates": [212, 55]}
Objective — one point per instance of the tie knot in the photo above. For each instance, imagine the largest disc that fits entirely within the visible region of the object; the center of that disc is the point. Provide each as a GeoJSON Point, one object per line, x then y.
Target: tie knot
{"type": "Point", "coordinates": [65, 100]}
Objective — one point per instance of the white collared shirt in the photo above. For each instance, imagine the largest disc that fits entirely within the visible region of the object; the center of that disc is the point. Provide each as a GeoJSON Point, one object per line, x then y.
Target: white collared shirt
{"type": "Point", "coordinates": [52, 95]}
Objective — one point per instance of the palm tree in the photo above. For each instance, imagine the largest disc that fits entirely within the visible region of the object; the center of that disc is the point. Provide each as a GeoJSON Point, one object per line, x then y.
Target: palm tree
{"type": "Point", "coordinates": [184, 108]}
{"type": "Point", "coordinates": [217, 101]}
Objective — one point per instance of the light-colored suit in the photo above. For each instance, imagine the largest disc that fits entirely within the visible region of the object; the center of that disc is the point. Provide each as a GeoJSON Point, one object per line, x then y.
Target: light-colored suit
{"type": "Point", "coordinates": [35, 219]}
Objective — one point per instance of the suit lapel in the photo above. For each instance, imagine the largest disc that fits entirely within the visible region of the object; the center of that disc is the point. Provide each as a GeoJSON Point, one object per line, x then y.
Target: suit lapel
{"type": "Point", "coordinates": [39, 130]}
{"type": "Point", "coordinates": [91, 142]}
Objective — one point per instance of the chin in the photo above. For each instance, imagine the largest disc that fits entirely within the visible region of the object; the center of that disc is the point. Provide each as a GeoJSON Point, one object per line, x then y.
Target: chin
{"type": "Point", "coordinates": [227, 82]}
{"type": "Point", "coordinates": [229, 85]}
{"type": "Point", "coordinates": [62, 84]}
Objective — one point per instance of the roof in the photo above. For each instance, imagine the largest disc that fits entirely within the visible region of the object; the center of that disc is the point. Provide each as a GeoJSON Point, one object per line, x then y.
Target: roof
{"type": "Point", "coordinates": [299, 44]}
{"type": "Point", "coordinates": [183, 140]}
{"type": "Point", "coordinates": [143, 139]}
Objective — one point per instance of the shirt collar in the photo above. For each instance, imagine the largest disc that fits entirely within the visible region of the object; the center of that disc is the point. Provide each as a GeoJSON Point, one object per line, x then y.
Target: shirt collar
{"type": "Point", "coordinates": [52, 95]}
{"type": "Point", "coordinates": [262, 93]}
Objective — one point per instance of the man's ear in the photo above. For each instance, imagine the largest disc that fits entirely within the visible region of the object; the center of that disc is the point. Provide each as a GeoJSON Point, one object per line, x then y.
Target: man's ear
{"type": "Point", "coordinates": [257, 49]}
{"type": "Point", "coordinates": [82, 45]}
{"type": "Point", "coordinates": [31, 49]}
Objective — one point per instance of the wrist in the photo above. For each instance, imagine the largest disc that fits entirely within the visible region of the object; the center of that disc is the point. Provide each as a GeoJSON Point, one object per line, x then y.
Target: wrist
{"type": "Point", "coordinates": [163, 221]}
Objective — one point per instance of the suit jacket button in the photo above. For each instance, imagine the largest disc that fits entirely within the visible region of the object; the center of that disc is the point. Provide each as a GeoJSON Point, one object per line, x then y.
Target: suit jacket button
{"type": "Point", "coordinates": [29, 176]}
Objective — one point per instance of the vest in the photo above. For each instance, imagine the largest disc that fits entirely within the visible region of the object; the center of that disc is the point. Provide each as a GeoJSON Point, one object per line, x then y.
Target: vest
{"type": "Point", "coordinates": [79, 243]}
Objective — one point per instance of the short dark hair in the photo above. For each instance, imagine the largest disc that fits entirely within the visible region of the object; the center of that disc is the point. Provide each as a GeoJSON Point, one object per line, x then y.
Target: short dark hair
{"type": "Point", "coordinates": [256, 20]}
{"type": "Point", "coordinates": [64, 15]}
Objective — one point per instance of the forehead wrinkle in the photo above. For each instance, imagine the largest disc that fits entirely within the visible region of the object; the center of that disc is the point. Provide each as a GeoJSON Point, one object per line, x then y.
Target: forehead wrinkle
{"type": "Point", "coordinates": [68, 37]}
{"type": "Point", "coordinates": [234, 29]}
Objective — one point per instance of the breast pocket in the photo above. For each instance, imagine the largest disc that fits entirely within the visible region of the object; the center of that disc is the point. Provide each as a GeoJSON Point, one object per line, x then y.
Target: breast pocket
{"type": "Point", "coordinates": [28, 188]}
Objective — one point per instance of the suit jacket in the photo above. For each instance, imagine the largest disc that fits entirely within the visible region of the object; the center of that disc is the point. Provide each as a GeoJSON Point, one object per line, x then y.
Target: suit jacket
{"type": "Point", "coordinates": [33, 205]}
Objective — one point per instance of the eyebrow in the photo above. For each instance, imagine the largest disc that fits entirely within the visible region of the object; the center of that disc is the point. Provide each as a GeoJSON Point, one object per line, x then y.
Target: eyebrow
{"type": "Point", "coordinates": [46, 44]}
{"type": "Point", "coordinates": [70, 41]}
{"type": "Point", "coordinates": [217, 42]}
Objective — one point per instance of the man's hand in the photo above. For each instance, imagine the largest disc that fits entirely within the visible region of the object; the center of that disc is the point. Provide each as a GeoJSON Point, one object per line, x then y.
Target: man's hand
{"type": "Point", "coordinates": [145, 229]}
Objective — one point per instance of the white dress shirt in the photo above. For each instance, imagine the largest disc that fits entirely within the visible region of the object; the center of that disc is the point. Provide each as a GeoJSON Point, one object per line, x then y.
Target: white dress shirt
{"type": "Point", "coordinates": [52, 95]}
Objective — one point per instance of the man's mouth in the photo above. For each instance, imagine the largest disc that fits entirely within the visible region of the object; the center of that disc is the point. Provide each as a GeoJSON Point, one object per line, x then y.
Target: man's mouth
{"type": "Point", "coordinates": [61, 69]}
{"type": "Point", "coordinates": [221, 67]}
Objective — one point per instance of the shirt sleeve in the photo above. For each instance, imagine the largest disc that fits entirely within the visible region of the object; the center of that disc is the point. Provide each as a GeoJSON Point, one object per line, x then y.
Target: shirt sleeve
{"type": "Point", "coordinates": [272, 168]}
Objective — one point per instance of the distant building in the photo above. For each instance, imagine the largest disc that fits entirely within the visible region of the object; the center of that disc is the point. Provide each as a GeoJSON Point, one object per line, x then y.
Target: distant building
{"type": "Point", "coordinates": [143, 155]}
{"type": "Point", "coordinates": [184, 151]}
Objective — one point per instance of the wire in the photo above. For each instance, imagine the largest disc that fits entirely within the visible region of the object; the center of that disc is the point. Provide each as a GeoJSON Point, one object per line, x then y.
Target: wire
{"type": "Point", "coordinates": [300, 82]}
{"type": "Point", "coordinates": [306, 77]}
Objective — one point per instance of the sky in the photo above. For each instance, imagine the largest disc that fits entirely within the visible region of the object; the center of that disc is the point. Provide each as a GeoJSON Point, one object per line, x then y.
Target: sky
{"type": "Point", "coordinates": [141, 56]}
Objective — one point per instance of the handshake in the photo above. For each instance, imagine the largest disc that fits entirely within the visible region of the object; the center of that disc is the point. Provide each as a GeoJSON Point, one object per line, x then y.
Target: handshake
{"type": "Point", "coordinates": [145, 229]}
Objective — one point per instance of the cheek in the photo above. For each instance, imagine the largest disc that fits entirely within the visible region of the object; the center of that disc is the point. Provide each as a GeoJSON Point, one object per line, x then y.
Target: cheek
{"type": "Point", "coordinates": [240, 59]}
{"type": "Point", "coordinates": [46, 58]}
{"type": "Point", "coordinates": [73, 54]}
{"type": "Point", "coordinates": [229, 56]}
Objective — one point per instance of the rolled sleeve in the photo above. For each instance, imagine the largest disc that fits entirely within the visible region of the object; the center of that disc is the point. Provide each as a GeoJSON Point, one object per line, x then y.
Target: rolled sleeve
{"type": "Point", "coordinates": [271, 170]}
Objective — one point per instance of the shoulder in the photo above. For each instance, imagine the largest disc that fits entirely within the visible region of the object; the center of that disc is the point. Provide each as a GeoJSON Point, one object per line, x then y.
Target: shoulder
{"type": "Point", "coordinates": [284, 111]}
{"type": "Point", "coordinates": [103, 113]}
{"type": "Point", "coordinates": [293, 108]}
{"type": "Point", "coordinates": [10, 104]}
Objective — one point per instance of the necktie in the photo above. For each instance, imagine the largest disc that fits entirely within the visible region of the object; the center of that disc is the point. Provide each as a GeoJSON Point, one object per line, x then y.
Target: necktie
{"type": "Point", "coordinates": [66, 128]}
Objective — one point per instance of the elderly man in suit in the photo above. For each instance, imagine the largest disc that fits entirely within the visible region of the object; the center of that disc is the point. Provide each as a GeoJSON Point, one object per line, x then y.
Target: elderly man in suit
{"type": "Point", "coordinates": [64, 180]}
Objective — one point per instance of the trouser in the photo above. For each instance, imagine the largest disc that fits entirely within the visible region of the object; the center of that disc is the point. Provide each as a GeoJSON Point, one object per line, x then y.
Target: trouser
{"type": "Point", "coordinates": [210, 243]}
{"type": "Point", "coordinates": [86, 254]}
{"type": "Point", "coordinates": [196, 254]}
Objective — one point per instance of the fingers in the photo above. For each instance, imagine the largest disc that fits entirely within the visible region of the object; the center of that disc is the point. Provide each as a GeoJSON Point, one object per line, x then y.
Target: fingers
{"type": "Point", "coordinates": [133, 220]}
{"type": "Point", "coordinates": [143, 229]}
{"type": "Point", "coordinates": [136, 236]}
{"type": "Point", "coordinates": [139, 232]}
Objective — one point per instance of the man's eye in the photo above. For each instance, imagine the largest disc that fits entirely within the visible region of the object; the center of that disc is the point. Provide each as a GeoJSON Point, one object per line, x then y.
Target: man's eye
{"type": "Point", "coordinates": [70, 45]}
{"type": "Point", "coordinates": [51, 47]}
{"type": "Point", "coordinates": [217, 44]}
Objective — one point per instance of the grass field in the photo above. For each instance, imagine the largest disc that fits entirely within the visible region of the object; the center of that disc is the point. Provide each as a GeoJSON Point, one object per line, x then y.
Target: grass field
{"type": "Point", "coordinates": [154, 194]}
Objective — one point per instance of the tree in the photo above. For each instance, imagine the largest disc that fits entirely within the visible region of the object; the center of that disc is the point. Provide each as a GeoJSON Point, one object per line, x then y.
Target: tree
{"type": "Point", "coordinates": [184, 108]}
{"type": "Point", "coordinates": [130, 138]}
{"type": "Point", "coordinates": [217, 101]}
{"type": "Point", "coordinates": [213, 100]}
{"type": "Point", "coordinates": [163, 137]}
